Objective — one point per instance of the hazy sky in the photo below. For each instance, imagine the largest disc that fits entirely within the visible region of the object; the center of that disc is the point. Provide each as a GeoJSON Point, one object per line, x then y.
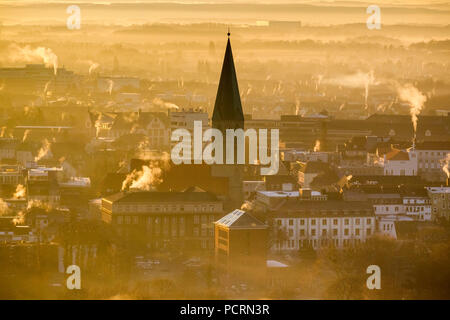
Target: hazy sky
{"type": "Point", "coordinates": [396, 2]}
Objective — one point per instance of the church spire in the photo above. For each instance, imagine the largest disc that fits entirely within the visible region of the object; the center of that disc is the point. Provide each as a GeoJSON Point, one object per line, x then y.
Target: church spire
{"type": "Point", "coordinates": [227, 108]}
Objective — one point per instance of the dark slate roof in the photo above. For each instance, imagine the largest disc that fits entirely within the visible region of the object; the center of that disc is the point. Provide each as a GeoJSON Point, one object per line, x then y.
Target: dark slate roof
{"type": "Point", "coordinates": [387, 180]}
{"type": "Point", "coordinates": [381, 125]}
{"type": "Point", "coordinates": [294, 207]}
{"type": "Point", "coordinates": [433, 145]}
{"type": "Point", "coordinates": [228, 101]}
{"type": "Point", "coordinates": [315, 167]}
{"type": "Point", "coordinates": [239, 219]}
{"type": "Point", "coordinates": [149, 196]}
{"type": "Point", "coordinates": [356, 143]}
{"type": "Point", "coordinates": [6, 143]}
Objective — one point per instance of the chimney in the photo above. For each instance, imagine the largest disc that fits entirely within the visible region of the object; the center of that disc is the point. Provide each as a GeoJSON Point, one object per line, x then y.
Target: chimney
{"type": "Point", "coordinates": [304, 193]}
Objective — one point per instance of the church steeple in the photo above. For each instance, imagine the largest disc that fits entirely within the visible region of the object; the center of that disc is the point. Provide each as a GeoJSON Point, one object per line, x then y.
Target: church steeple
{"type": "Point", "coordinates": [227, 108]}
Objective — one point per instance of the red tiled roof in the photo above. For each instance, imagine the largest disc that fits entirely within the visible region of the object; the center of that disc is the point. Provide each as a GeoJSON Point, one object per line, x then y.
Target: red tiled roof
{"type": "Point", "coordinates": [397, 155]}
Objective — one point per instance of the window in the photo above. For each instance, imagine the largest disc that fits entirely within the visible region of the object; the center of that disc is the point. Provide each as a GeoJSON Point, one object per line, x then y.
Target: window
{"type": "Point", "coordinates": [346, 222]}
{"type": "Point", "coordinates": [357, 221]}
{"type": "Point", "coordinates": [357, 232]}
{"type": "Point", "coordinates": [196, 219]}
{"type": "Point", "coordinates": [346, 232]}
{"type": "Point", "coordinates": [324, 232]}
{"type": "Point", "coordinates": [119, 219]}
{"type": "Point", "coordinates": [368, 221]}
{"type": "Point", "coordinates": [368, 232]}
{"type": "Point", "coordinates": [302, 222]}
{"type": "Point", "coordinates": [335, 222]}
{"type": "Point", "coordinates": [313, 222]}
{"type": "Point", "coordinates": [291, 222]}
{"type": "Point", "coordinates": [324, 222]}
{"type": "Point", "coordinates": [302, 232]}
{"type": "Point", "coordinates": [127, 219]}
{"type": "Point", "coordinates": [313, 232]}
{"type": "Point", "coordinates": [291, 233]}
{"type": "Point", "coordinates": [335, 232]}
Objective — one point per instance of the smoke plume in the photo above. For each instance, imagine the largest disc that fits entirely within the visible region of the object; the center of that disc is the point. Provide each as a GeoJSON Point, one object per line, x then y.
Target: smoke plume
{"type": "Point", "coordinates": [317, 146]}
{"type": "Point", "coordinates": [28, 54]}
{"type": "Point", "coordinates": [25, 135]}
{"type": "Point", "coordinates": [416, 100]}
{"type": "Point", "coordinates": [446, 166]}
{"type": "Point", "coordinates": [145, 179]}
{"type": "Point", "coordinates": [44, 151]}
{"type": "Point", "coordinates": [20, 192]}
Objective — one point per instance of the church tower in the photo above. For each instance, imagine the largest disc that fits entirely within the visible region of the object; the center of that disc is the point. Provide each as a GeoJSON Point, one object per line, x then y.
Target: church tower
{"type": "Point", "coordinates": [227, 108]}
{"type": "Point", "coordinates": [228, 115]}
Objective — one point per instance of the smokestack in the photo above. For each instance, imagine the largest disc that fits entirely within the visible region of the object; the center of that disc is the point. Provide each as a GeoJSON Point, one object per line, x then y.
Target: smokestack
{"type": "Point", "coordinates": [305, 193]}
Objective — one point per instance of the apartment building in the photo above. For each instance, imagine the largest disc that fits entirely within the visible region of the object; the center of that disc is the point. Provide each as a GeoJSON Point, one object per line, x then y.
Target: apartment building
{"type": "Point", "coordinates": [432, 156]}
{"type": "Point", "coordinates": [164, 219]}
{"type": "Point", "coordinates": [318, 224]}
{"type": "Point", "coordinates": [440, 202]}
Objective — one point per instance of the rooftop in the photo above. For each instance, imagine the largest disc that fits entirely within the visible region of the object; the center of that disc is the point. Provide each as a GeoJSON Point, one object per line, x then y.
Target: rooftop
{"type": "Point", "coordinates": [286, 194]}
{"type": "Point", "coordinates": [239, 219]}
{"type": "Point", "coordinates": [438, 189]}
{"type": "Point", "coordinates": [155, 196]}
{"type": "Point", "coordinates": [397, 155]}
{"type": "Point", "coordinates": [325, 208]}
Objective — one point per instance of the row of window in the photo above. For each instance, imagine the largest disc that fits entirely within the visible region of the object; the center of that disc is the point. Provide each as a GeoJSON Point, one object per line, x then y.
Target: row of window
{"type": "Point", "coordinates": [432, 153]}
{"type": "Point", "coordinates": [313, 232]}
{"type": "Point", "coordinates": [314, 243]}
{"type": "Point", "coordinates": [162, 208]}
{"type": "Point", "coordinates": [133, 219]}
{"type": "Point", "coordinates": [397, 209]}
{"type": "Point", "coordinates": [324, 222]}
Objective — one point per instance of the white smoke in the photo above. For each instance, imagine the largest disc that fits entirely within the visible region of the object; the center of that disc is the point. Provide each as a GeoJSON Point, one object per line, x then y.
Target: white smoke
{"type": "Point", "coordinates": [317, 146]}
{"type": "Point", "coordinates": [145, 179]}
{"type": "Point", "coordinates": [44, 151]}
{"type": "Point", "coordinates": [357, 80]}
{"type": "Point", "coordinates": [28, 54]}
{"type": "Point", "coordinates": [446, 166]}
{"type": "Point", "coordinates": [416, 100]}
{"type": "Point", "coordinates": [111, 86]}
{"type": "Point", "coordinates": [247, 206]}
{"type": "Point", "coordinates": [92, 66]}
{"type": "Point", "coordinates": [68, 169]}
{"type": "Point", "coordinates": [161, 103]}
{"type": "Point", "coordinates": [4, 209]}
{"type": "Point", "coordinates": [20, 192]}
{"type": "Point", "coordinates": [25, 135]}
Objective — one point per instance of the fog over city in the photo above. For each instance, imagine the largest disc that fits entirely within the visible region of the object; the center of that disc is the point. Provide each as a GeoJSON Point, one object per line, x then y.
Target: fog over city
{"type": "Point", "coordinates": [115, 116]}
